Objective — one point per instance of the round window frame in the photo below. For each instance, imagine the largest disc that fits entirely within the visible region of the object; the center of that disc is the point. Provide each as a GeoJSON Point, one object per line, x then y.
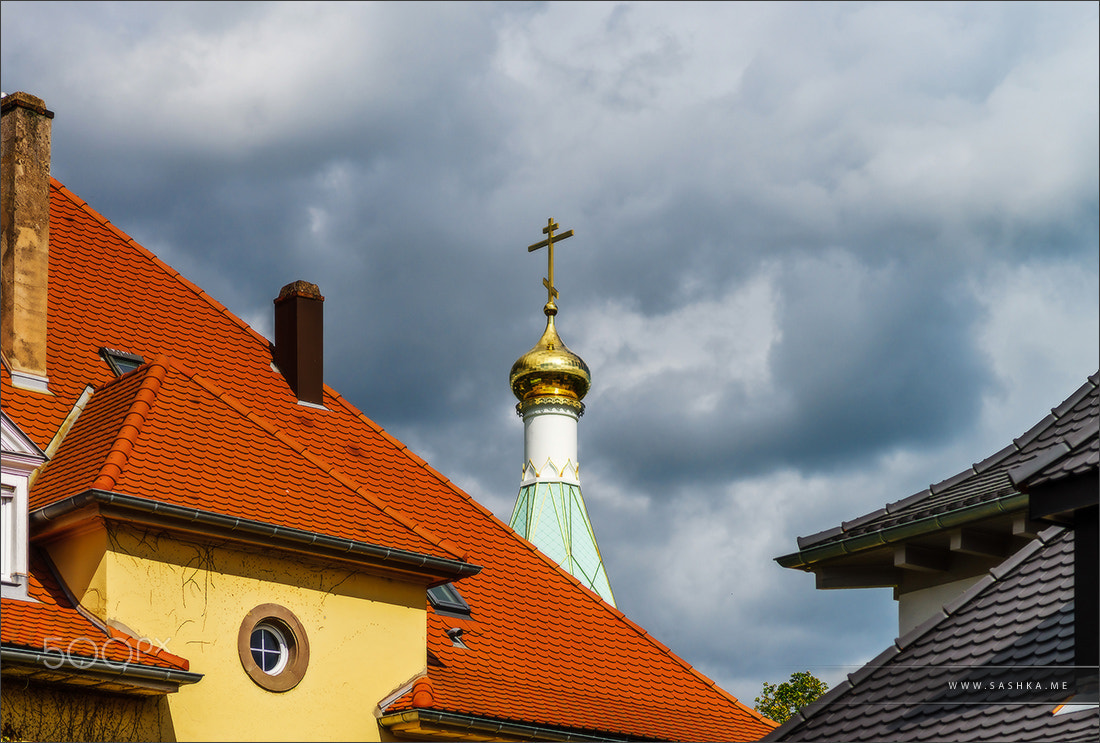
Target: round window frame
{"type": "Point", "coordinates": [284, 622]}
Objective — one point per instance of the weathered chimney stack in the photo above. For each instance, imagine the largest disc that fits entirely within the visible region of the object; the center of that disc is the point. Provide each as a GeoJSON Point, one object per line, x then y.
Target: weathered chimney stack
{"type": "Point", "coordinates": [25, 249]}
{"type": "Point", "coordinates": [299, 340]}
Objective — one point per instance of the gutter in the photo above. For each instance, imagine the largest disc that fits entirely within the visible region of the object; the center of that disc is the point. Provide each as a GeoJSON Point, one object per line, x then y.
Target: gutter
{"type": "Point", "coordinates": [805, 559]}
{"type": "Point", "coordinates": [482, 726]}
{"type": "Point", "coordinates": [141, 676]}
{"type": "Point", "coordinates": [255, 532]}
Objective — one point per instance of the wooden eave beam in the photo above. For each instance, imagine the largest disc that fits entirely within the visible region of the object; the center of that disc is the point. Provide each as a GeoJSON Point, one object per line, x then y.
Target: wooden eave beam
{"type": "Point", "coordinates": [856, 577]}
{"type": "Point", "coordinates": [1025, 528]}
{"type": "Point", "coordinates": [925, 559]}
{"type": "Point", "coordinates": [980, 543]}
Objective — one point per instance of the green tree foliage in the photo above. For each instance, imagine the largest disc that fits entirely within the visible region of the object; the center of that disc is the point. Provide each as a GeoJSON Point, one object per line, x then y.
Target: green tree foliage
{"type": "Point", "coordinates": [782, 701]}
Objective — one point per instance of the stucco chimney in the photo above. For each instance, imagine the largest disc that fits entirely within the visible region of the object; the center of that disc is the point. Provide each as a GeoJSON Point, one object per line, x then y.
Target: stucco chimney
{"type": "Point", "coordinates": [299, 340]}
{"type": "Point", "coordinates": [25, 250]}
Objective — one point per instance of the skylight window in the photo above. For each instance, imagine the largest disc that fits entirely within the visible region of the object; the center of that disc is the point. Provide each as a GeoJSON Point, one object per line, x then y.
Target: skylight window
{"type": "Point", "coordinates": [120, 361]}
{"type": "Point", "coordinates": [446, 599]}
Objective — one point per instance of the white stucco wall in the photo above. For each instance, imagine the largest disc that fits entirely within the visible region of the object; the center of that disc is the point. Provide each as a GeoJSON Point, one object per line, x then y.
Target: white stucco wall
{"type": "Point", "coordinates": [550, 436]}
{"type": "Point", "coordinates": [916, 606]}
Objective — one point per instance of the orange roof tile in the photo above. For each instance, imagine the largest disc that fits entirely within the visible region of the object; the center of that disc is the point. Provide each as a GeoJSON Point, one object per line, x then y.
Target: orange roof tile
{"type": "Point", "coordinates": [163, 434]}
{"type": "Point", "coordinates": [541, 649]}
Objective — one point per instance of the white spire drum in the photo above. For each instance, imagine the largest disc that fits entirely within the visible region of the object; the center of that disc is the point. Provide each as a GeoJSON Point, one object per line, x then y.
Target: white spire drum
{"type": "Point", "coordinates": [550, 381]}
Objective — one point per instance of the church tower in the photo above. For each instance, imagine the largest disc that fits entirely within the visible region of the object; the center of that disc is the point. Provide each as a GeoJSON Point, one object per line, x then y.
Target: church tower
{"type": "Point", "coordinates": [550, 381]}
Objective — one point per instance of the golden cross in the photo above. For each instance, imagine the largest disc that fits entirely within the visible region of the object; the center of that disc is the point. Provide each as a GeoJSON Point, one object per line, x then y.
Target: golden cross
{"type": "Point", "coordinates": [548, 282]}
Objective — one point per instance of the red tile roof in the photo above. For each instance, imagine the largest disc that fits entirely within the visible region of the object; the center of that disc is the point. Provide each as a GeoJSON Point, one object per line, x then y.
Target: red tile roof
{"type": "Point", "coordinates": [201, 425]}
{"type": "Point", "coordinates": [137, 431]}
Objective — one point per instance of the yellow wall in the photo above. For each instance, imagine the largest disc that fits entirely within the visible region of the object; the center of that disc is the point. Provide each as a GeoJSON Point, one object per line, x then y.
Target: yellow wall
{"type": "Point", "coordinates": [79, 559]}
{"type": "Point", "coordinates": [366, 633]}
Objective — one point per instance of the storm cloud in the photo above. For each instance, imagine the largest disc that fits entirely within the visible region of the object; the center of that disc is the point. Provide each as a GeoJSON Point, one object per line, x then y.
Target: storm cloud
{"type": "Point", "coordinates": [824, 254]}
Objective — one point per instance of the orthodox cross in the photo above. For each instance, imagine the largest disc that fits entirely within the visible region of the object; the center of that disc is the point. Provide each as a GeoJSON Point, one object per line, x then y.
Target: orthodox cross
{"type": "Point", "coordinates": [548, 282]}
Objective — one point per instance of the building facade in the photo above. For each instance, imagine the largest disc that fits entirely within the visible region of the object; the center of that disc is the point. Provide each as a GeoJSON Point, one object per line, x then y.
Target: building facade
{"type": "Point", "coordinates": [223, 547]}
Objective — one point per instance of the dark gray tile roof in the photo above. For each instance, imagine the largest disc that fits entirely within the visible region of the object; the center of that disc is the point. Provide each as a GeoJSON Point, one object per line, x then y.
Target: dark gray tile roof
{"type": "Point", "coordinates": [989, 480]}
{"type": "Point", "coordinates": [1076, 454]}
{"type": "Point", "coordinates": [1020, 614]}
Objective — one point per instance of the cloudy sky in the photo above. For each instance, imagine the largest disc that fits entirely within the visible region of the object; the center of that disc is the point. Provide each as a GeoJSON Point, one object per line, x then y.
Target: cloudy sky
{"type": "Point", "coordinates": [824, 254]}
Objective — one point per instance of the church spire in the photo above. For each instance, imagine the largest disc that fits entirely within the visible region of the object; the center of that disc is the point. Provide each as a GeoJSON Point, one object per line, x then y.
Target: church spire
{"type": "Point", "coordinates": [550, 381]}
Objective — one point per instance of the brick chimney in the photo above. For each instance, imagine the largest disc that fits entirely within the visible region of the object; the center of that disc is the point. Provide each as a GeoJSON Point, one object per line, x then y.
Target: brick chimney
{"type": "Point", "coordinates": [25, 250]}
{"type": "Point", "coordinates": [299, 340]}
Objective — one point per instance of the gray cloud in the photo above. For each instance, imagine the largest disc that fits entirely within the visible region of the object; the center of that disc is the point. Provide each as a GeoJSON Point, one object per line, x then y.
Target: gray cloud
{"type": "Point", "coordinates": [825, 254]}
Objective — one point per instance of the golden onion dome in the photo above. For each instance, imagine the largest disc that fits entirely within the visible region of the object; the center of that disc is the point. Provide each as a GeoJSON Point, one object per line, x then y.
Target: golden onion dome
{"type": "Point", "coordinates": [550, 369]}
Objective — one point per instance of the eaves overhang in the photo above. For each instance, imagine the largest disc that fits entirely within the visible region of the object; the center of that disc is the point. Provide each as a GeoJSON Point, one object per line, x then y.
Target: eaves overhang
{"type": "Point", "coordinates": [807, 559]}
{"type": "Point", "coordinates": [128, 678]}
{"type": "Point", "coordinates": [62, 515]}
{"type": "Point", "coordinates": [428, 724]}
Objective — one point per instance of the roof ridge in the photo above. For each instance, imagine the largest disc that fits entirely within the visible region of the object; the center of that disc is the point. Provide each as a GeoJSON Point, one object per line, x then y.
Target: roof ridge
{"type": "Point", "coordinates": [325, 465]}
{"type": "Point", "coordinates": [644, 633]}
{"type": "Point", "coordinates": [446, 482]}
{"type": "Point", "coordinates": [592, 595]}
{"type": "Point", "coordinates": [420, 461]}
{"type": "Point", "coordinates": [1061, 448]}
{"type": "Point", "coordinates": [152, 257]}
{"type": "Point", "coordinates": [1056, 414]}
{"type": "Point", "coordinates": [142, 403]}
{"type": "Point", "coordinates": [997, 460]}
{"type": "Point", "coordinates": [1070, 402]}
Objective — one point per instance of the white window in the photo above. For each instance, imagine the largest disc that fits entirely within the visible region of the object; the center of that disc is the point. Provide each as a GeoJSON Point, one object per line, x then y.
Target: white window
{"type": "Point", "coordinates": [13, 518]}
{"type": "Point", "coordinates": [7, 518]}
{"type": "Point", "coordinates": [269, 648]}
{"type": "Point", "coordinates": [20, 458]}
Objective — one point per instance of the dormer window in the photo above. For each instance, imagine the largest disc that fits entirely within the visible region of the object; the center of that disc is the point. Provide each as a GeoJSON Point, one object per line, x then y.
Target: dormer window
{"type": "Point", "coordinates": [446, 599]}
{"type": "Point", "coordinates": [120, 362]}
{"type": "Point", "coordinates": [20, 457]}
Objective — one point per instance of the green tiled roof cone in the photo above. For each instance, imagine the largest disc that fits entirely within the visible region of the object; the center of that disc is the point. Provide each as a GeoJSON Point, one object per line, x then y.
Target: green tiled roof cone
{"type": "Point", "coordinates": [549, 381]}
{"type": "Point", "coordinates": [552, 516]}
